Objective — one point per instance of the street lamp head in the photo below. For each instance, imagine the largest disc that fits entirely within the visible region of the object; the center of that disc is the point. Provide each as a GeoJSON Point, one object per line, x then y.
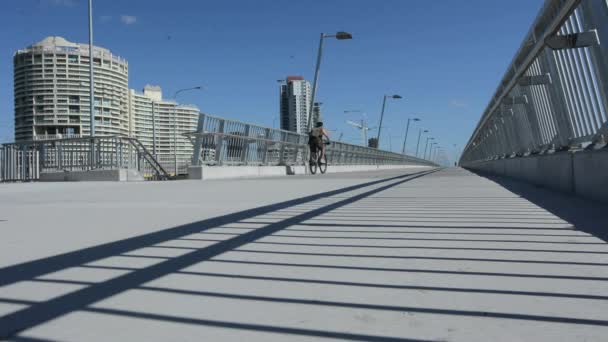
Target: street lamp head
{"type": "Point", "coordinates": [416, 119]}
{"type": "Point", "coordinates": [396, 97]}
{"type": "Point", "coordinates": [425, 131]}
{"type": "Point", "coordinates": [343, 35]}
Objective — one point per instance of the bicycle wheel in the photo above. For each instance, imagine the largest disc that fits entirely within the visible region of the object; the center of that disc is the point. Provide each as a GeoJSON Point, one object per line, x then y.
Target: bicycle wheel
{"type": "Point", "coordinates": [312, 164]}
{"type": "Point", "coordinates": [323, 164]}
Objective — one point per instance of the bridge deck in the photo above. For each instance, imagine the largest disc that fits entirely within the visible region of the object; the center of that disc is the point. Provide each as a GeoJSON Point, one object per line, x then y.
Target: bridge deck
{"type": "Point", "coordinates": [384, 256]}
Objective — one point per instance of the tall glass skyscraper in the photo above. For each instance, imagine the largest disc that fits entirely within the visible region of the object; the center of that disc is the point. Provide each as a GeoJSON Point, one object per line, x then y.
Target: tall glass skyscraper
{"type": "Point", "coordinates": [295, 104]}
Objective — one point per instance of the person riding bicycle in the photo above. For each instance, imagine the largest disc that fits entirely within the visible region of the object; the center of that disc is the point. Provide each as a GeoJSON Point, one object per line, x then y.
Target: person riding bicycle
{"type": "Point", "coordinates": [315, 139]}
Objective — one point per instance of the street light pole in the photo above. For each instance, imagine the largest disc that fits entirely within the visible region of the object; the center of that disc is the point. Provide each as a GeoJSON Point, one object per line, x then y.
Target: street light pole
{"type": "Point", "coordinates": [153, 130]}
{"type": "Point", "coordinates": [430, 150]}
{"type": "Point", "coordinates": [339, 36]}
{"type": "Point", "coordinates": [175, 124]}
{"type": "Point", "coordinates": [435, 149]}
{"type": "Point", "coordinates": [281, 83]}
{"type": "Point", "coordinates": [382, 116]}
{"type": "Point", "coordinates": [427, 146]}
{"type": "Point", "coordinates": [420, 135]}
{"type": "Point", "coordinates": [314, 82]}
{"type": "Point", "coordinates": [91, 90]}
{"type": "Point", "coordinates": [407, 128]}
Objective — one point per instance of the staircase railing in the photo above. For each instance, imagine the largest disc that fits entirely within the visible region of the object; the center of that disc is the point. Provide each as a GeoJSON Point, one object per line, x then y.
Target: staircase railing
{"type": "Point", "coordinates": [24, 161]}
{"type": "Point", "coordinates": [159, 171]}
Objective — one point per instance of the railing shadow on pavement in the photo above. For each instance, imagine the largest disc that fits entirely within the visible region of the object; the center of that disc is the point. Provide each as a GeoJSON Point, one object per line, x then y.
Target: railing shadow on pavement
{"type": "Point", "coordinates": [585, 215]}
{"type": "Point", "coordinates": [40, 312]}
{"type": "Point", "coordinates": [283, 256]}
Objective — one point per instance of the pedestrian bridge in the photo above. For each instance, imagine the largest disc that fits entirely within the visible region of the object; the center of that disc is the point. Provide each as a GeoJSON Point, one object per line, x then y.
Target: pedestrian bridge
{"type": "Point", "coordinates": [420, 255]}
{"type": "Point", "coordinates": [414, 252]}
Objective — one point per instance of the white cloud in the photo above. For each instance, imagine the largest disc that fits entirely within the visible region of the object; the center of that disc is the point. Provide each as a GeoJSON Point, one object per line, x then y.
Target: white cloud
{"type": "Point", "coordinates": [128, 19]}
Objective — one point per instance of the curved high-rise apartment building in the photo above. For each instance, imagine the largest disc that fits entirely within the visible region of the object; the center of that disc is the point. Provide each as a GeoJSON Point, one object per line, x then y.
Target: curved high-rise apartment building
{"type": "Point", "coordinates": [52, 91]}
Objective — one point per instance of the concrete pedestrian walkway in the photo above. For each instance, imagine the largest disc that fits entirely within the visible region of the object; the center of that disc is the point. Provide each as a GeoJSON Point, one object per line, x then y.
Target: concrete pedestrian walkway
{"type": "Point", "coordinates": [434, 255]}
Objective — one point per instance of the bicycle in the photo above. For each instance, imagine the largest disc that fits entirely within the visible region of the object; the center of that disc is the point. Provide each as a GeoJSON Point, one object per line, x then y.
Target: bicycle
{"type": "Point", "coordinates": [316, 162]}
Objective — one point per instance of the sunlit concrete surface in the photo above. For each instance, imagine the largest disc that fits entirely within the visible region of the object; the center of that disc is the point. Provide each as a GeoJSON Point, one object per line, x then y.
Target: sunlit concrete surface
{"type": "Point", "coordinates": [382, 256]}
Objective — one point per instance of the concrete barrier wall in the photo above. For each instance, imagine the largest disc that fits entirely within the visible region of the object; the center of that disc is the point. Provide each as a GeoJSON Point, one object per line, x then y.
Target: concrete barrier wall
{"type": "Point", "coordinates": [583, 173]}
{"type": "Point", "coordinates": [117, 175]}
{"type": "Point", "coordinates": [226, 172]}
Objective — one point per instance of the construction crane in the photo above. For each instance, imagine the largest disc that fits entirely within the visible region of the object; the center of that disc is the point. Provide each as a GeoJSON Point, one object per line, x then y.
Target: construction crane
{"type": "Point", "coordinates": [362, 126]}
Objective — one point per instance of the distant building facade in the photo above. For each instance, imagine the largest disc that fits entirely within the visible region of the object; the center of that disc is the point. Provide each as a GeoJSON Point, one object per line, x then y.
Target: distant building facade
{"type": "Point", "coordinates": [52, 100]}
{"type": "Point", "coordinates": [51, 88]}
{"type": "Point", "coordinates": [159, 124]}
{"type": "Point", "coordinates": [295, 104]}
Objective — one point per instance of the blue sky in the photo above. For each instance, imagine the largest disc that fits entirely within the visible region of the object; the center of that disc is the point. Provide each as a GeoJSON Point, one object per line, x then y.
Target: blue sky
{"type": "Point", "coordinates": [444, 57]}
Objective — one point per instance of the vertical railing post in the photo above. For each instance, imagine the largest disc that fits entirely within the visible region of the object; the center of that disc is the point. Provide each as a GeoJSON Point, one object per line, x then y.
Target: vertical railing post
{"type": "Point", "coordinates": [23, 162]}
{"type": "Point", "coordinates": [198, 140]}
{"type": "Point", "coordinates": [59, 147]}
{"type": "Point", "coordinates": [563, 126]}
{"type": "Point", "coordinates": [245, 145]}
{"type": "Point", "coordinates": [284, 138]}
{"type": "Point", "coordinates": [119, 163]}
{"type": "Point", "coordinates": [268, 136]}
{"type": "Point", "coordinates": [595, 16]}
{"type": "Point", "coordinates": [220, 142]}
{"type": "Point", "coordinates": [42, 157]}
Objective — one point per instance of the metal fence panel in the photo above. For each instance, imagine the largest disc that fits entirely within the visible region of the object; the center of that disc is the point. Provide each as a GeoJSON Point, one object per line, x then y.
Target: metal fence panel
{"type": "Point", "coordinates": [24, 161]}
{"type": "Point", "coordinates": [554, 94]}
{"type": "Point", "coordinates": [220, 141]}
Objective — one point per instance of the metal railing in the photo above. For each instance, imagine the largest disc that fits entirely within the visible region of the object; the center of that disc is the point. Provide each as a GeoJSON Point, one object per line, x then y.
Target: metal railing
{"type": "Point", "coordinates": [553, 96]}
{"type": "Point", "coordinates": [220, 141]}
{"type": "Point", "coordinates": [56, 136]}
{"type": "Point", "coordinates": [18, 163]}
{"type": "Point", "coordinates": [167, 161]}
{"type": "Point", "coordinates": [25, 161]}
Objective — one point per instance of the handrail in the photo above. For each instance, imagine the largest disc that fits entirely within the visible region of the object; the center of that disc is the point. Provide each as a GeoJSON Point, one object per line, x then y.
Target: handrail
{"type": "Point", "coordinates": [26, 160]}
{"type": "Point", "coordinates": [553, 94]}
{"type": "Point", "coordinates": [160, 171]}
{"type": "Point", "coordinates": [220, 141]}
{"type": "Point", "coordinates": [515, 71]}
